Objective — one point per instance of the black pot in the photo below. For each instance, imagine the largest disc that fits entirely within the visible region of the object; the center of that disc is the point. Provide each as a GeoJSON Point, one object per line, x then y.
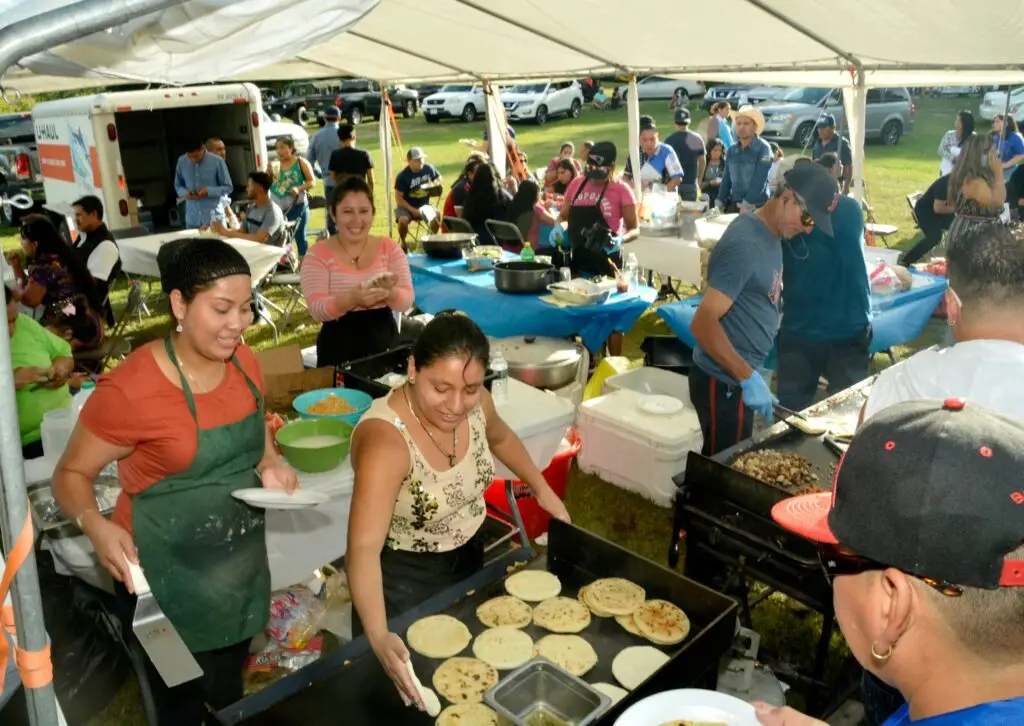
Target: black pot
{"type": "Point", "coordinates": [447, 245]}
{"type": "Point", "coordinates": [524, 277]}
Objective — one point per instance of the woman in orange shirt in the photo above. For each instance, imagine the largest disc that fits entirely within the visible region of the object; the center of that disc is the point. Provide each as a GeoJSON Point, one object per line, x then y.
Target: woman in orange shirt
{"type": "Point", "coordinates": [183, 417]}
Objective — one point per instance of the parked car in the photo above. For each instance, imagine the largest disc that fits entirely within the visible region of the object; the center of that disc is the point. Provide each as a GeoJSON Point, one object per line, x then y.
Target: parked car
{"type": "Point", "coordinates": [273, 129]}
{"type": "Point", "coordinates": [427, 89]}
{"type": "Point", "coordinates": [890, 114]}
{"type": "Point", "coordinates": [951, 91]}
{"type": "Point", "coordinates": [994, 103]}
{"type": "Point", "coordinates": [541, 100]}
{"type": "Point", "coordinates": [455, 100]}
{"type": "Point", "coordinates": [21, 156]}
{"type": "Point", "coordinates": [654, 87]}
{"type": "Point", "coordinates": [724, 92]}
{"type": "Point", "coordinates": [360, 97]}
{"type": "Point", "coordinates": [301, 102]}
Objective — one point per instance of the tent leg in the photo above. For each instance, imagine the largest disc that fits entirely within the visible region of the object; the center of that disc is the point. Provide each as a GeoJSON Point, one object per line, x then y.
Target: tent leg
{"type": "Point", "coordinates": [633, 115]}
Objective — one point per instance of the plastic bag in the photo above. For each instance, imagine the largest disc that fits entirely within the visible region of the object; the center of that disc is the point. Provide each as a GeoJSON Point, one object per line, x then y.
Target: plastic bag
{"type": "Point", "coordinates": [886, 279]}
{"type": "Point", "coordinates": [295, 616]}
{"type": "Point", "coordinates": [275, 655]}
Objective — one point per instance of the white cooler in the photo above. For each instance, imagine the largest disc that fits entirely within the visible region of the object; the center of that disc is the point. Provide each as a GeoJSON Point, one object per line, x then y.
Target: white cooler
{"type": "Point", "coordinates": [539, 418]}
{"type": "Point", "coordinates": [651, 381]}
{"type": "Point", "coordinates": [635, 450]}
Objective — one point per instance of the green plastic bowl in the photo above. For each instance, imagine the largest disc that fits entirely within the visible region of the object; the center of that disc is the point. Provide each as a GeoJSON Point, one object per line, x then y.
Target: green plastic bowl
{"type": "Point", "coordinates": [314, 459]}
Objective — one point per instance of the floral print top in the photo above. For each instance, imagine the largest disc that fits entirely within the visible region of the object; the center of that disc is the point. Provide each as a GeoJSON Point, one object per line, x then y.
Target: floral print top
{"type": "Point", "coordinates": [50, 273]}
{"type": "Point", "coordinates": [437, 511]}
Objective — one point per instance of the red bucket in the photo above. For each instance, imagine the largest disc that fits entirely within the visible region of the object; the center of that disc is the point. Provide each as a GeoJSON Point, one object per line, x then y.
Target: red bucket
{"type": "Point", "coordinates": [536, 519]}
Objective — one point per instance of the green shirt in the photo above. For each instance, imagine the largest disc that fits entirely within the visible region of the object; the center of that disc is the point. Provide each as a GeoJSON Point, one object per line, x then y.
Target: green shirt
{"type": "Point", "coordinates": [35, 346]}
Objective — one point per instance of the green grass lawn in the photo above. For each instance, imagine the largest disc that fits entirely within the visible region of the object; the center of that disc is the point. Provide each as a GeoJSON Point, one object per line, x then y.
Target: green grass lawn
{"type": "Point", "coordinates": [892, 173]}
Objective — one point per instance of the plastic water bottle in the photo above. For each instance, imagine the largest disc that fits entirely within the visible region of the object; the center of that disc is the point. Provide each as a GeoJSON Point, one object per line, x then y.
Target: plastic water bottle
{"type": "Point", "coordinates": [632, 271]}
{"type": "Point", "coordinates": [499, 387]}
{"type": "Point", "coordinates": [78, 401]}
{"type": "Point", "coordinates": [527, 255]}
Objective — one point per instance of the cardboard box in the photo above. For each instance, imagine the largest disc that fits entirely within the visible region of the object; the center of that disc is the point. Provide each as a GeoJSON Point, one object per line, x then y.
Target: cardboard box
{"type": "Point", "coordinates": [284, 377]}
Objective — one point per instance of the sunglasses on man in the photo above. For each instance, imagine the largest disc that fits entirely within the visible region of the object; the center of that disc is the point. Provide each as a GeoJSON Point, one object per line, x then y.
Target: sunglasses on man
{"type": "Point", "coordinates": [837, 560]}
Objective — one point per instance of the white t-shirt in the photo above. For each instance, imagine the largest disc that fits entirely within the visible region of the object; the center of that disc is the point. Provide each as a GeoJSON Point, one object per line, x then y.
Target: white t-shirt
{"type": "Point", "coordinates": [102, 260]}
{"type": "Point", "coordinates": [986, 372]}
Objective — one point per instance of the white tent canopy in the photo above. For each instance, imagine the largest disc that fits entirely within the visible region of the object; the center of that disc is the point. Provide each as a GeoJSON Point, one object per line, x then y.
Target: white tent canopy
{"type": "Point", "coordinates": [894, 42]}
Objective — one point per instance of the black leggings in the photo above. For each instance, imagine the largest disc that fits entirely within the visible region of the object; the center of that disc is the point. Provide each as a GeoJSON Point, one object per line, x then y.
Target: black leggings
{"type": "Point", "coordinates": [192, 703]}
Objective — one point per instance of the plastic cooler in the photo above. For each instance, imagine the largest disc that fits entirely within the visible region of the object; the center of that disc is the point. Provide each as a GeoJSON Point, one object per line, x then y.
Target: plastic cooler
{"type": "Point", "coordinates": [651, 381]}
{"type": "Point", "coordinates": [633, 449]}
{"type": "Point", "coordinates": [536, 519]}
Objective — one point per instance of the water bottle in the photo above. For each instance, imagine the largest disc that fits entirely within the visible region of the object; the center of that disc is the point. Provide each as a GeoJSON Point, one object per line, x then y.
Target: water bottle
{"type": "Point", "coordinates": [499, 387]}
{"type": "Point", "coordinates": [527, 255]}
{"type": "Point", "coordinates": [79, 399]}
{"type": "Point", "coordinates": [632, 271]}
{"type": "Point", "coordinates": [562, 260]}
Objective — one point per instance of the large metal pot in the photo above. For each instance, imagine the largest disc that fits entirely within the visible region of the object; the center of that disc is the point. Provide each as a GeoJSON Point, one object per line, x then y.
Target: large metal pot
{"type": "Point", "coordinates": [540, 362]}
{"type": "Point", "coordinates": [524, 277]}
{"type": "Point", "coordinates": [447, 245]}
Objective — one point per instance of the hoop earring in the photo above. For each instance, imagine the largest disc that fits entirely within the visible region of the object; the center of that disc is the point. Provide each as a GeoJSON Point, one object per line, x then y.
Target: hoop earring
{"type": "Point", "coordinates": [880, 656]}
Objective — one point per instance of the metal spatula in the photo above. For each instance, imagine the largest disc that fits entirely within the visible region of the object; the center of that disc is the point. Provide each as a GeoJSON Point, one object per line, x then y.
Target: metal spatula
{"type": "Point", "coordinates": [165, 648]}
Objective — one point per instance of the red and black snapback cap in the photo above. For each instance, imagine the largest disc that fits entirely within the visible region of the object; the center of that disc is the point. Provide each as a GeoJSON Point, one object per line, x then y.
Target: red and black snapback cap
{"type": "Point", "coordinates": [932, 488]}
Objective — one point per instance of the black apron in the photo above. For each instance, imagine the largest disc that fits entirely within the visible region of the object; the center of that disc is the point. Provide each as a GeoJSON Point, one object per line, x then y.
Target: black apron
{"type": "Point", "coordinates": [355, 335]}
{"type": "Point", "coordinates": [589, 233]}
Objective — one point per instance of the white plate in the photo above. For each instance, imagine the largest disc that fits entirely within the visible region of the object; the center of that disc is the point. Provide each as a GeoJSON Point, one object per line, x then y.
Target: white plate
{"type": "Point", "coordinates": [280, 499]}
{"type": "Point", "coordinates": [660, 405]}
{"type": "Point", "coordinates": [692, 704]}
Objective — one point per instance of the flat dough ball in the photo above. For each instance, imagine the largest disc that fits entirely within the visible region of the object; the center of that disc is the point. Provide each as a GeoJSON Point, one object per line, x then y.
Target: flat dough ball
{"type": "Point", "coordinates": [634, 665]}
{"type": "Point", "coordinates": [615, 595]}
{"type": "Point", "coordinates": [533, 585]}
{"type": "Point", "coordinates": [431, 703]}
{"type": "Point", "coordinates": [613, 692]}
{"type": "Point", "coordinates": [438, 636]}
{"type": "Point", "coordinates": [569, 651]}
{"type": "Point", "coordinates": [505, 611]}
{"type": "Point", "coordinates": [464, 680]}
{"type": "Point", "coordinates": [562, 615]}
{"type": "Point", "coordinates": [662, 622]}
{"type": "Point", "coordinates": [467, 714]}
{"type": "Point", "coordinates": [629, 625]}
{"type": "Point", "coordinates": [504, 648]}
{"type": "Point", "coordinates": [588, 600]}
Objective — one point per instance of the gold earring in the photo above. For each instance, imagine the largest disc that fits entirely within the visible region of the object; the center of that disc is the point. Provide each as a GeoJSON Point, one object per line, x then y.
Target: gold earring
{"type": "Point", "coordinates": [880, 656]}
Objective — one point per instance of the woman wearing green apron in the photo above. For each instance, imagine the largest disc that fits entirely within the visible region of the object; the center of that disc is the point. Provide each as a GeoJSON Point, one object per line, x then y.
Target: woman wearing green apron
{"type": "Point", "coordinates": [183, 417]}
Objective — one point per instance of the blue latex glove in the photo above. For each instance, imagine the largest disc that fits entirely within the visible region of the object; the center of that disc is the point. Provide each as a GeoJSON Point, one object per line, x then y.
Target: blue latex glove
{"type": "Point", "coordinates": [757, 396]}
{"type": "Point", "coordinates": [557, 235]}
{"type": "Point", "coordinates": [616, 245]}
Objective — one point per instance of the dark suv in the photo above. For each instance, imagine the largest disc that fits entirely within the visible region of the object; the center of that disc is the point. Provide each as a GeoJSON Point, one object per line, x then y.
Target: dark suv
{"type": "Point", "coordinates": [21, 156]}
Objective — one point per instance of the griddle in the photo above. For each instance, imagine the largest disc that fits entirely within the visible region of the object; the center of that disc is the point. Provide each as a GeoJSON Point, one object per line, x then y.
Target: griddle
{"type": "Point", "coordinates": [349, 685]}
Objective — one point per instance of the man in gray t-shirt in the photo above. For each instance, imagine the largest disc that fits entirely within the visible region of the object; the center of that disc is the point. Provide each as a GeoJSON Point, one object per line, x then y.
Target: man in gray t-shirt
{"type": "Point", "coordinates": [738, 318]}
{"type": "Point", "coordinates": [263, 221]}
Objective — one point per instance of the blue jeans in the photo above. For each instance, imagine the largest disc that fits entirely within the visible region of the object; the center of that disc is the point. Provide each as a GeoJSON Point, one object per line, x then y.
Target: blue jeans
{"type": "Point", "coordinates": [300, 214]}
{"type": "Point", "coordinates": [802, 362]}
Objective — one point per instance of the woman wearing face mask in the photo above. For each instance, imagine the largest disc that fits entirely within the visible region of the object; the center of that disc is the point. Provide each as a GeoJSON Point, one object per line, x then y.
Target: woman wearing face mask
{"type": "Point", "coordinates": [353, 282]}
{"type": "Point", "coordinates": [423, 458]}
{"type": "Point", "coordinates": [199, 436]}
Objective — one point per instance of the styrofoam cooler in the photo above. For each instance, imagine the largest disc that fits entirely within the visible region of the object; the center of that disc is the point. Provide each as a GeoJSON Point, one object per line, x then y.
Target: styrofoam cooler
{"type": "Point", "coordinates": [633, 449]}
{"type": "Point", "coordinates": [650, 381]}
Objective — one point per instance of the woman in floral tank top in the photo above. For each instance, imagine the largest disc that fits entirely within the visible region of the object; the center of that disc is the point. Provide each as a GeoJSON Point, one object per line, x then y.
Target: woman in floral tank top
{"type": "Point", "coordinates": [422, 460]}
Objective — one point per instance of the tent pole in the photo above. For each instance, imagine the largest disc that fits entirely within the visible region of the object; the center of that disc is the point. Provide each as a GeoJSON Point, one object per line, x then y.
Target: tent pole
{"type": "Point", "coordinates": [496, 124]}
{"type": "Point", "coordinates": [633, 115]}
{"type": "Point", "coordinates": [384, 138]}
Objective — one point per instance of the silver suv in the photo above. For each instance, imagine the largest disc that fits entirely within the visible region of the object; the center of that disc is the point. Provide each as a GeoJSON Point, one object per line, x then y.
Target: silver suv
{"type": "Point", "coordinates": [890, 114]}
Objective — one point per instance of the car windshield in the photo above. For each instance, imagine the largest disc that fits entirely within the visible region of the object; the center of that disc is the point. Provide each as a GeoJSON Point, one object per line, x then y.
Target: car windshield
{"type": "Point", "coordinates": [810, 96]}
{"type": "Point", "coordinates": [354, 86]}
{"type": "Point", "coordinates": [529, 88]}
{"type": "Point", "coordinates": [17, 129]}
{"type": "Point", "coordinates": [303, 90]}
{"type": "Point", "coordinates": [456, 89]}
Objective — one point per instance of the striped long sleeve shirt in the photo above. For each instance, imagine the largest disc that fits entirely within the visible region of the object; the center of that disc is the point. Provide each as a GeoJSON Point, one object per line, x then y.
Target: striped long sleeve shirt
{"type": "Point", "coordinates": [325, 275]}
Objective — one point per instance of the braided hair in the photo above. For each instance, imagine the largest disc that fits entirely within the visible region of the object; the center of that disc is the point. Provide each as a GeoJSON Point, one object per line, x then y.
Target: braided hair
{"type": "Point", "coordinates": [193, 265]}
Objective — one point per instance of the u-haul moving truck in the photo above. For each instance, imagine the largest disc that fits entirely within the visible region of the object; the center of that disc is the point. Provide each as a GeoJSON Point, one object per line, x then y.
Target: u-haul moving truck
{"type": "Point", "coordinates": [123, 146]}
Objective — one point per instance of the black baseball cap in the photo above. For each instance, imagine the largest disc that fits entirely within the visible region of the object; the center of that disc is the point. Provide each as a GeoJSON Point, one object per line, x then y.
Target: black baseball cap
{"type": "Point", "coordinates": [682, 116]}
{"type": "Point", "coordinates": [600, 160]}
{"type": "Point", "coordinates": [817, 191]}
{"type": "Point", "coordinates": [932, 488]}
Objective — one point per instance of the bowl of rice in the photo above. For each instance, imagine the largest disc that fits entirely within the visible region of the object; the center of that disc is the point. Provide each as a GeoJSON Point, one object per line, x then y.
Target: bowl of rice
{"type": "Point", "coordinates": [343, 404]}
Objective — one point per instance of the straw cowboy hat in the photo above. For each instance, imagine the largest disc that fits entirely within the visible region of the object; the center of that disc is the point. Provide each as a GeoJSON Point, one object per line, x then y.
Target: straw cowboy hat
{"type": "Point", "coordinates": [754, 114]}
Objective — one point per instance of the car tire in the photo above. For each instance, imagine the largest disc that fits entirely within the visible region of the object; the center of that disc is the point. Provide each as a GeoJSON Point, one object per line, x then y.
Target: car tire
{"type": "Point", "coordinates": [686, 94]}
{"type": "Point", "coordinates": [574, 109]}
{"type": "Point", "coordinates": [542, 115]}
{"type": "Point", "coordinates": [409, 108]}
{"type": "Point", "coordinates": [469, 113]}
{"type": "Point", "coordinates": [804, 135]}
{"type": "Point", "coordinates": [355, 116]}
{"type": "Point", "coordinates": [431, 119]}
{"type": "Point", "coordinates": [301, 116]}
{"type": "Point", "coordinates": [892, 131]}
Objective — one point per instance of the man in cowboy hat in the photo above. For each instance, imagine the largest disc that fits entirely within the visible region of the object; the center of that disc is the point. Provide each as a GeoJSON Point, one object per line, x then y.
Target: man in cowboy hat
{"type": "Point", "coordinates": [829, 141]}
{"type": "Point", "coordinates": [747, 165]}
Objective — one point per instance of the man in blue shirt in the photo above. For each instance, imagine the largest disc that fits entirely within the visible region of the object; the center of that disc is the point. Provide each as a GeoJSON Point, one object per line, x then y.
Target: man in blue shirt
{"type": "Point", "coordinates": [689, 147]}
{"type": "Point", "coordinates": [826, 314]}
{"type": "Point", "coordinates": [829, 141]}
{"type": "Point", "coordinates": [202, 180]}
{"type": "Point", "coordinates": [738, 318]}
{"type": "Point", "coordinates": [658, 162]}
{"type": "Point", "coordinates": [920, 538]}
{"type": "Point", "coordinates": [747, 164]}
{"type": "Point", "coordinates": [325, 143]}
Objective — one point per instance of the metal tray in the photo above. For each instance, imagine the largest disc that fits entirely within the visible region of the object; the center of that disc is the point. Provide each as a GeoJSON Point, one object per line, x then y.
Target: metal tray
{"type": "Point", "coordinates": [541, 684]}
{"type": "Point", "coordinates": [352, 682]}
{"type": "Point", "coordinates": [48, 518]}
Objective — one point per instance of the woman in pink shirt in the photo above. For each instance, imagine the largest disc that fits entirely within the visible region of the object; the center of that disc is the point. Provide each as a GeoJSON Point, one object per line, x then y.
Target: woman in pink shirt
{"type": "Point", "coordinates": [354, 283]}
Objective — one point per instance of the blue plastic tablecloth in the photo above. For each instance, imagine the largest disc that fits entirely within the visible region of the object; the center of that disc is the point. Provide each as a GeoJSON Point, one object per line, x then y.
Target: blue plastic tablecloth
{"type": "Point", "coordinates": [447, 284]}
{"type": "Point", "coordinates": [896, 319]}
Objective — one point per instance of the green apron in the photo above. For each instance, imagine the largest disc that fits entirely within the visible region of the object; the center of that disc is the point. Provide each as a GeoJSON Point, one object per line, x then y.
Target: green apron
{"type": "Point", "coordinates": [203, 551]}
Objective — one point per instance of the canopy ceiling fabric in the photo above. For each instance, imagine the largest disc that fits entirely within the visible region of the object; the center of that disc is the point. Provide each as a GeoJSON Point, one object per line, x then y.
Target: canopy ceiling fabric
{"type": "Point", "coordinates": [805, 42]}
